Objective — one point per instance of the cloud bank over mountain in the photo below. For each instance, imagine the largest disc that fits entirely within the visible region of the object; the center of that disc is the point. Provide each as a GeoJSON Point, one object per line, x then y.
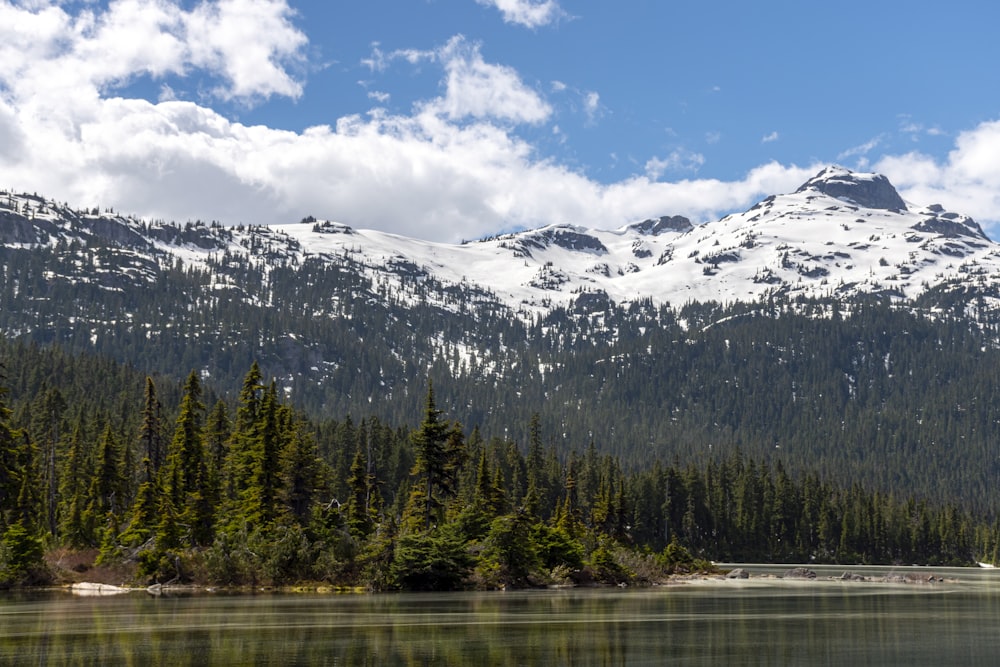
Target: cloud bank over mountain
{"type": "Point", "coordinates": [463, 162]}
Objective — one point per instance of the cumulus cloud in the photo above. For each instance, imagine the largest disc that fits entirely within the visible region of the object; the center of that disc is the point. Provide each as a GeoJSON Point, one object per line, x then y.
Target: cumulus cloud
{"type": "Point", "coordinates": [678, 160]}
{"type": "Point", "coordinates": [768, 138]}
{"type": "Point", "coordinates": [453, 167]}
{"type": "Point", "coordinates": [484, 90]}
{"type": "Point", "coordinates": [227, 37]}
{"type": "Point", "coordinates": [528, 13]}
{"type": "Point", "coordinates": [248, 45]}
{"type": "Point", "coordinates": [967, 181]}
{"type": "Point", "coordinates": [473, 88]}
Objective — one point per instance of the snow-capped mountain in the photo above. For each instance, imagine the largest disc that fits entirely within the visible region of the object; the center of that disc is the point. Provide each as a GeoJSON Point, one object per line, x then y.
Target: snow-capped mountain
{"type": "Point", "coordinates": [839, 234]}
{"type": "Point", "coordinates": [565, 321]}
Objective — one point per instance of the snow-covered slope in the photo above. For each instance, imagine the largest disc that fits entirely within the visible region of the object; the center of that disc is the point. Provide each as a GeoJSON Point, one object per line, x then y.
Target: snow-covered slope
{"type": "Point", "coordinates": [840, 234]}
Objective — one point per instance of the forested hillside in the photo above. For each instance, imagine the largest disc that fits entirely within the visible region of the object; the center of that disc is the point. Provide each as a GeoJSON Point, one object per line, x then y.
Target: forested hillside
{"type": "Point", "coordinates": [838, 405]}
{"type": "Point", "coordinates": [846, 376]}
{"type": "Point", "coordinates": [162, 477]}
{"type": "Point", "coordinates": [895, 396]}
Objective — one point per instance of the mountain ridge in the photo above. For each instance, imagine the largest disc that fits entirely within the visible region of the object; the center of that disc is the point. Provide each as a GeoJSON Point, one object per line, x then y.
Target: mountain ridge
{"type": "Point", "coordinates": [774, 327]}
{"type": "Point", "coordinates": [840, 234]}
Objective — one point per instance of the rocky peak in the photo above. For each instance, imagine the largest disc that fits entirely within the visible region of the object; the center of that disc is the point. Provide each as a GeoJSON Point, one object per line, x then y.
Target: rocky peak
{"type": "Point", "coordinates": [865, 190]}
{"type": "Point", "coordinates": [666, 223]}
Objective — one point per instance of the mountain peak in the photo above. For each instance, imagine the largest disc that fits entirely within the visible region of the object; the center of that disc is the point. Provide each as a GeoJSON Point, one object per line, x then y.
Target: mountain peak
{"type": "Point", "coordinates": [865, 190]}
{"type": "Point", "coordinates": [662, 225]}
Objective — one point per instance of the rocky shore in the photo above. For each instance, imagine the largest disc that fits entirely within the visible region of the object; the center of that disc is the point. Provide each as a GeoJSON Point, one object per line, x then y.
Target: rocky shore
{"type": "Point", "coordinates": [804, 573]}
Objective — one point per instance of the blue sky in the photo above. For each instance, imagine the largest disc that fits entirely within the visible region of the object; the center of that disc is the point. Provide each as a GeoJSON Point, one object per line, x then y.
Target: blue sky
{"type": "Point", "coordinates": [454, 119]}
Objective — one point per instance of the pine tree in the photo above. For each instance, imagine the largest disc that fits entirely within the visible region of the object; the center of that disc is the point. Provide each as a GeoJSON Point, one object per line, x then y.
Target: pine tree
{"type": "Point", "coordinates": [185, 472]}
{"type": "Point", "coordinates": [218, 430]}
{"type": "Point", "coordinates": [74, 527]}
{"type": "Point", "coordinates": [45, 429]}
{"type": "Point", "coordinates": [535, 468]}
{"type": "Point", "coordinates": [243, 451]}
{"type": "Point", "coordinates": [239, 462]}
{"type": "Point", "coordinates": [30, 511]}
{"type": "Point", "coordinates": [107, 488]}
{"type": "Point", "coordinates": [300, 473]}
{"type": "Point", "coordinates": [262, 497]}
{"type": "Point", "coordinates": [151, 436]}
{"type": "Point", "coordinates": [143, 517]}
{"type": "Point", "coordinates": [439, 451]}
{"type": "Point", "coordinates": [359, 519]}
{"type": "Point", "coordinates": [10, 456]}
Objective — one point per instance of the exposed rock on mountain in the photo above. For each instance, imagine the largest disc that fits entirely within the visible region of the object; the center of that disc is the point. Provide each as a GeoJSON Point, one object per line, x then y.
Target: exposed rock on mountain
{"type": "Point", "coordinates": [865, 190]}
{"type": "Point", "coordinates": [663, 224]}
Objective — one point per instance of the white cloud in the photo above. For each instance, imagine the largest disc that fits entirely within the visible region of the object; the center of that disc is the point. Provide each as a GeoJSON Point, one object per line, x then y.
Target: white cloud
{"type": "Point", "coordinates": [678, 160]}
{"type": "Point", "coordinates": [529, 13]}
{"type": "Point", "coordinates": [768, 138]}
{"type": "Point", "coordinates": [473, 88]}
{"type": "Point", "coordinates": [452, 168]}
{"type": "Point", "coordinates": [914, 130]}
{"type": "Point", "coordinates": [246, 44]}
{"type": "Point", "coordinates": [477, 89]}
{"type": "Point", "coordinates": [379, 61]}
{"type": "Point", "coordinates": [247, 41]}
{"type": "Point", "coordinates": [967, 181]}
{"type": "Point", "coordinates": [861, 149]}
{"type": "Point", "coordinates": [592, 106]}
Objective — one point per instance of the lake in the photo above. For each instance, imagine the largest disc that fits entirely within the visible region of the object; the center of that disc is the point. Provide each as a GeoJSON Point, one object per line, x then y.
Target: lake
{"type": "Point", "coordinates": [728, 622]}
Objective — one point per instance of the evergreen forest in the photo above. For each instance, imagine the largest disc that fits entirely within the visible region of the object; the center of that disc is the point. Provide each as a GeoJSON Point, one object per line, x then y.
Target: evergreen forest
{"type": "Point", "coordinates": [160, 479]}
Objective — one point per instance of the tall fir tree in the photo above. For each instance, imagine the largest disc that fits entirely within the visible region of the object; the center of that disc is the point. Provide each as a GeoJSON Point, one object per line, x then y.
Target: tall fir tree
{"type": "Point", "coordinates": [359, 518]}
{"type": "Point", "coordinates": [75, 529]}
{"type": "Point", "coordinates": [300, 473]}
{"type": "Point", "coordinates": [106, 494]}
{"type": "Point", "coordinates": [151, 436]}
{"type": "Point", "coordinates": [10, 458]}
{"type": "Point", "coordinates": [439, 451]}
{"type": "Point", "coordinates": [186, 474]}
{"type": "Point", "coordinates": [240, 451]}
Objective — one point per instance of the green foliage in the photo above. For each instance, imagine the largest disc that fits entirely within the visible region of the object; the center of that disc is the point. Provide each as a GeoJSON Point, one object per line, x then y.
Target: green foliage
{"type": "Point", "coordinates": [159, 566]}
{"type": "Point", "coordinates": [280, 554]}
{"type": "Point", "coordinates": [439, 450]}
{"type": "Point", "coordinates": [432, 560]}
{"type": "Point", "coordinates": [10, 455]}
{"type": "Point", "coordinates": [359, 511]}
{"type": "Point", "coordinates": [21, 558]}
{"type": "Point", "coordinates": [274, 498]}
{"type": "Point", "coordinates": [678, 560]}
{"type": "Point", "coordinates": [556, 548]}
{"type": "Point", "coordinates": [376, 561]}
{"type": "Point", "coordinates": [185, 476]}
{"type": "Point", "coordinates": [605, 567]}
{"type": "Point", "coordinates": [509, 556]}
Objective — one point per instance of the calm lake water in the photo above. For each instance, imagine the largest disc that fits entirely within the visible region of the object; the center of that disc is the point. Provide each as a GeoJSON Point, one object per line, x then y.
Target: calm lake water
{"type": "Point", "coordinates": [755, 622]}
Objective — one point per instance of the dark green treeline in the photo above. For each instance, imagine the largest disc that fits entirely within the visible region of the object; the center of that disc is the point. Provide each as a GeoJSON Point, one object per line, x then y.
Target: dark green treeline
{"type": "Point", "coordinates": [251, 492]}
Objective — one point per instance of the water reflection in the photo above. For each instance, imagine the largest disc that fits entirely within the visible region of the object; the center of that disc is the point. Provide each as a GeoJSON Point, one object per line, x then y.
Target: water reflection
{"type": "Point", "coordinates": [728, 622]}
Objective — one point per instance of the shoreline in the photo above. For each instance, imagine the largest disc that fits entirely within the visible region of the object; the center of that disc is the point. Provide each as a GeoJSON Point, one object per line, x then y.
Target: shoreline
{"type": "Point", "coordinates": [798, 576]}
